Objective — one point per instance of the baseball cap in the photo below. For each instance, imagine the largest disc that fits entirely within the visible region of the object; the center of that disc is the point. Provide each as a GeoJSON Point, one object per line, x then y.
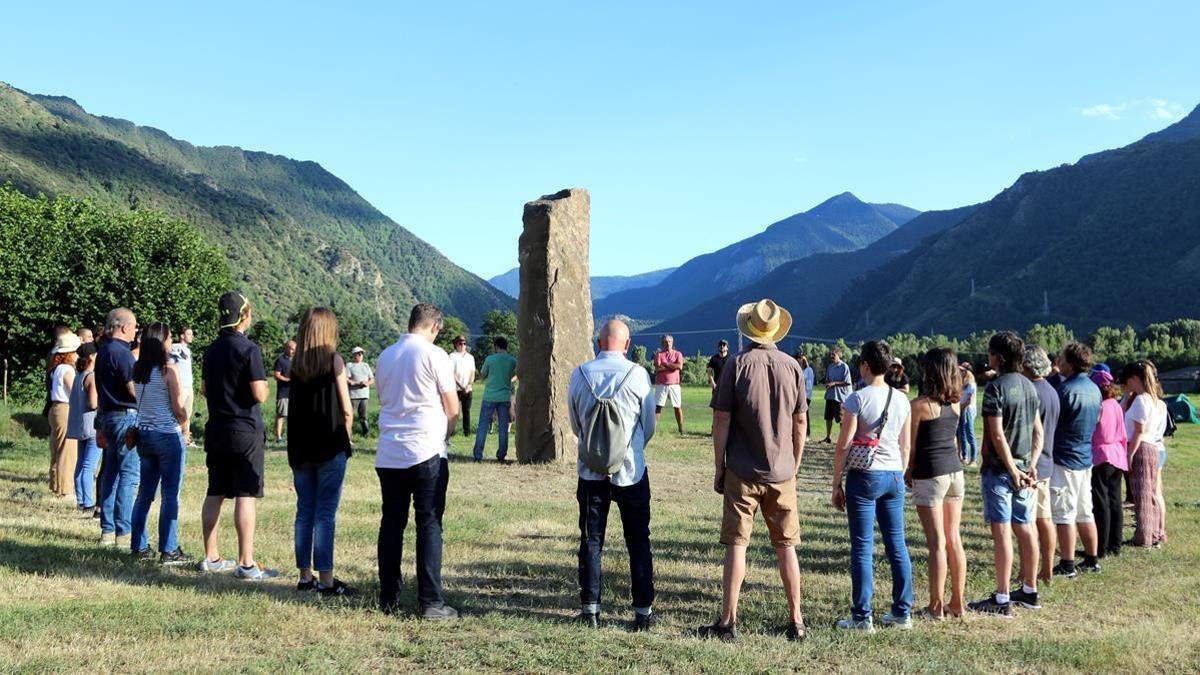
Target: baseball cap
{"type": "Point", "coordinates": [358, 350]}
{"type": "Point", "coordinates": [230, 308]}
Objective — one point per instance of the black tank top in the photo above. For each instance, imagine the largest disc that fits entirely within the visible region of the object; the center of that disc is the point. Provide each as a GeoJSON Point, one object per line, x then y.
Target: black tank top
{"type": "Point", "coordinates": [935, 454]}
{"type": "Point", "coordinates": [316, 426]}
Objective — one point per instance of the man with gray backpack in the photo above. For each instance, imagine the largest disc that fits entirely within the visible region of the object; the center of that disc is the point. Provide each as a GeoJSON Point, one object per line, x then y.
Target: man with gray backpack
{"type": "Point", "coordinates": [612, 415]}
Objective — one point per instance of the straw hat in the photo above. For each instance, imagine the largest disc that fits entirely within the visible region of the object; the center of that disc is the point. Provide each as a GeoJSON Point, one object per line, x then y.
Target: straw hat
{"type": "Point", "coordinates": [67, 343]}
{"type": "Point", "coordinates": [764, 321]}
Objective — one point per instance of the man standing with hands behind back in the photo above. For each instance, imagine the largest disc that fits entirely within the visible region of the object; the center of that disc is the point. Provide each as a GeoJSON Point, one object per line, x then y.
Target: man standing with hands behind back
{"type": "Point", "coordinates": [668, 366]}
{"type": "Point", "coordinates": [463, 363]}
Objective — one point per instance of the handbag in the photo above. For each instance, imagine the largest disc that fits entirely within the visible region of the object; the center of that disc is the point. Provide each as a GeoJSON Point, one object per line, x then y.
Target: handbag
{"type": "Point", "coordinates": [861, 454]}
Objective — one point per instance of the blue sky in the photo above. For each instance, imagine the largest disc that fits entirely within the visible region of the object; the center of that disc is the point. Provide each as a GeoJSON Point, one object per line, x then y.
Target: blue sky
{"type": "Point", "coordinates": [692, 124]}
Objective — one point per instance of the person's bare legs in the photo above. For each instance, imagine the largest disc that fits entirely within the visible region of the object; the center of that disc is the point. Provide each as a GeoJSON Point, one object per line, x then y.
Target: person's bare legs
{"type": "Point", "coordinates": [731, 583]}
{"type": "Point", "coordinates": [789, 573]}
{"type": "Point", "coordinates": [1027, 543]}
{"type": "Point", "coordinates": [657, 415]}
{"type": "Point", "coordinates": [278, 426]}
{"type": "Point", "coordinates": [210, 517]}
{"type": "Point", "coordinates": [1002, 551]}
{"type": "Point", "coordinates": [1047, 541]}
{"type": "Point", "coordinates": [828, 430]}
{"type": "Point", "coordinates": [245, 510]}
{"type": "Point", "coordinates": [1066, 541]}
{"type": "Point", "coordinates": [1091, 540]}
{"type": "Point", "coordinates": [956, 556]}
{"type": "Point", "coordinates": [1162, 507]}
{"type": "Point", "coordinates": [935, 542]}
{"type": "Point", "coordinates": [679, 418]}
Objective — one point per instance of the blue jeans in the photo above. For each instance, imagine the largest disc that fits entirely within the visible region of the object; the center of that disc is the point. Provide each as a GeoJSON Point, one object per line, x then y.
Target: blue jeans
{"type": "Point", "coordinates": [872, 495]}
{"type": "Point", "coordinates": [485, 426]}
{"type": "Point", "coordinates": [318, 492]}
{"type": "Point", "coordinates": [163, 456]}
{"type": "Point", "coordinates": [968, 448]}
{"type": "Point", "coordinates": [85, 473]}
{"type": "Point", "coordinates": [120, 474]}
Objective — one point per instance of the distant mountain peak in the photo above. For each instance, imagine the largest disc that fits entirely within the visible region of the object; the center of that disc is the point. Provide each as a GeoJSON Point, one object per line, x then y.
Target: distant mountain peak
{"type": "Point", "coordinates": [1183, 130]}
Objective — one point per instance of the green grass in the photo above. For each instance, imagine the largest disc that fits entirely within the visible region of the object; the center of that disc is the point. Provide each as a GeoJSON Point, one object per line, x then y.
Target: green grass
{"type": "Point", "coordinates": [511, 536]}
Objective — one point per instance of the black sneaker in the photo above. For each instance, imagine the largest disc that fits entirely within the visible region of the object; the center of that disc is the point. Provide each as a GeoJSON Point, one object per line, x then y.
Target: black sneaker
{"type": "Point", "coordinates": [1026, 600]}
{"type": "Point", "coordinates": [175, 558]}
{"type": "Point", "coordinates": [1065, 571]}
{"type": "Point", "coordinates": [1089, 566]}
{"type": "Point", "coordinates": [644, 622]}
{"type": "Point", "coordinates": [303, 586]}
{"type": "Point", "coordinates": [1115, 551]}
{"type": "Point", "coordinates": [443, 613]}
{"type": "Point", "coordinates": [336, 590]}
{"type": "Point", "coordinates": [719, 632]}
{"type": "Point", "coordinates": [795, 632]}
{"type": "Point", "coordinates": [989, 605]}
{"type": "Point", "coordinates": [143, 555]}
{"type": "Point", "coordinates": [588, 619]}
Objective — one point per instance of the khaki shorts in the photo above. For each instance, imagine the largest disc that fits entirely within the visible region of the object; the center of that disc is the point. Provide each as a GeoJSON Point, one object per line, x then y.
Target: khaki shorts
{"type": "Point", "coordinates": [1071, 496]}
{"type": "Point", "coordinates": [281, 407]}
{"type": "Point", "coordinates": [1042, 509]}
{"type": "Point", "coordinates": [932, 491]}
{"type": "Point", "coordinates": [743, 500]}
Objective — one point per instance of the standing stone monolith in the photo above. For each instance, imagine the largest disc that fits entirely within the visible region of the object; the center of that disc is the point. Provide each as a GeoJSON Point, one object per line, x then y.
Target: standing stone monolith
{"type": "Point", "coordinates": [554, 321]}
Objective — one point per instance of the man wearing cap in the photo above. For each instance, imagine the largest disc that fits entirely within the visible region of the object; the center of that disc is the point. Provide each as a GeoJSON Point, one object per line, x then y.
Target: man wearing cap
{"type": "Point", "coordinates": [758, 430]}
{"type": "Point", "coordinates": [715, 365]}
{"type": "Point", "coordinates": [121, 466]}
{"type": "Point", "coordinates": [610, 376]}
{"type": "Point", "coordinates": [360, 377]}
{"type": "Point", "coordinates": [1036, 368]}
{"type": "Point", "coordinates": [668, 369]}
{"type": "Point", "coordinates": [283, 386]}
{"type": "Point", "coordinates": [838, 385]}
{"type": "Point", "coordinates": [463, 363]}
{"type": "Point", "coordinates": [235, 385]}
{"type": "Point", "coordinates": [1071, 479]}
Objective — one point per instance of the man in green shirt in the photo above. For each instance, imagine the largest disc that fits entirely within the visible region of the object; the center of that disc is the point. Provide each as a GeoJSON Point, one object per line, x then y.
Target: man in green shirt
{"type": "Point", "coordinates": [499, 371]}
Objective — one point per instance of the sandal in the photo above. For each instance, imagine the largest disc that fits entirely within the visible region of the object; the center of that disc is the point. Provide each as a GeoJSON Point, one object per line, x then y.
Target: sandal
{"type": "Point", "coordinates": [719, 632]}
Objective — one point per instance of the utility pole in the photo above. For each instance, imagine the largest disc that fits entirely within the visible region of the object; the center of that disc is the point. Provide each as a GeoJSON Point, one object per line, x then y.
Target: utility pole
{"type": "Point", "coordinates": [972, 287]}
{"type": "Point", "coordinates": [1046, 303]}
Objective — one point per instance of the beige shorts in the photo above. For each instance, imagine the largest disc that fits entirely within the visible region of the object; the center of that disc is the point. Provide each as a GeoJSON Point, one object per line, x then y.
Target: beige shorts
{"type": "Point", "coordinates": [743, 500]}
{"type": "Point", "coordinates": [932, 491]}
{"type": "Point", "coordinates": [1071, 496]}
{"type": "Point", "coordinates": [1041, 509]}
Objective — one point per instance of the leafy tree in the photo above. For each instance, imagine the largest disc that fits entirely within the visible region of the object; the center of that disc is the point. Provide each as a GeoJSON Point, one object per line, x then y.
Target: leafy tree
{"type": "Point", "coordinates": [695, 370]}
{"type": "Point", "coordinates": [269, 337]}
{"type": "Point", "coordinates": [1051, 337]}
{"type": "Point", "coordinates": [496, 323]}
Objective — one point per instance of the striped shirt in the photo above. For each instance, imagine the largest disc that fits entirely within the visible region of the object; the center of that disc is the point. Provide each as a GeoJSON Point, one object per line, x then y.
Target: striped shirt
{"type": "Point", "coordinates": [154, 404]}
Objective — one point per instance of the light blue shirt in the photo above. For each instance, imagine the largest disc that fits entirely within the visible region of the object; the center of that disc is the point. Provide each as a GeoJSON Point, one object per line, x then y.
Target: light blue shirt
{"type": "Point", "coordinates": [809, 381]}
{"type": "Point", "coordinates": [602, 375]}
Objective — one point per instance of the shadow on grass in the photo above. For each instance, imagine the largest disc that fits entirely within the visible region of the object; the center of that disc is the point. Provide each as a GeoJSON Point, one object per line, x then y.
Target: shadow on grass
{"type": "Point", "coordinates": [34, 424]}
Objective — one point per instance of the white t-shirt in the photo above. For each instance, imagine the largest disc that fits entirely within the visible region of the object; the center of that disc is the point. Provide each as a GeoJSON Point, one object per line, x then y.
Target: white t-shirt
{"type": "Point", "coordinates": [1141, 410]}
{"type": "Point", "coordinates": [464, 368]}
{"type": "Point", "coordinates": [411, 376]}
{"type": "Point", "coordinates": [182, 355]}
{"type": "Point", "coordinates": [59, 392]}
{"type": "Point", "coordinates": [867, 404]}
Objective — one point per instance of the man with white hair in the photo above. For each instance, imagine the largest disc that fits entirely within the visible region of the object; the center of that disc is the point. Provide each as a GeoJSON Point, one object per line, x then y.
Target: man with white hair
{"type": "Point", "coordinates": [668, 370]}
{"type": "Point", "coordinates": [610, 382]}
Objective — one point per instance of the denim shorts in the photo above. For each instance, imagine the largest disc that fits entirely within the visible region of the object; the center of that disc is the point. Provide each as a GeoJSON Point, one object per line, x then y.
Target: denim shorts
{"type": "Point", "coordinates": [1001, 504]}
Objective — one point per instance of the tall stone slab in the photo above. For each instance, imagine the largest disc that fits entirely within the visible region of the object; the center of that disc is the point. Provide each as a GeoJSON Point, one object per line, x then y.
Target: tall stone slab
{"type": "Point", "coordinates": [554, 321]}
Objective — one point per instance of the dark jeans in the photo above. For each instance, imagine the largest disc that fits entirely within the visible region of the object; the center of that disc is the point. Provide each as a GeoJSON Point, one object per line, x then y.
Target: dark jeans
{"type": "Point", "coordinates": [439, 502]}
{"type": "Point", "coordinates": [1107, 507]}
{"type": "Point", "coordinates": [594, 497]}
{"type": "Point", "coordinates": [464, 404]}
{"type": "Point", "coordinates": [871, 496]}
{"type": "Point", "coordinates": [360, 413]}
{"type": "Point", "coordinates": [418, 484]}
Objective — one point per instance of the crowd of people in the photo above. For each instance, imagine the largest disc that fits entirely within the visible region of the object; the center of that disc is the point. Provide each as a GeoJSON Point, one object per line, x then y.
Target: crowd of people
{"type": "Point", "coordinates": [1061, 436]}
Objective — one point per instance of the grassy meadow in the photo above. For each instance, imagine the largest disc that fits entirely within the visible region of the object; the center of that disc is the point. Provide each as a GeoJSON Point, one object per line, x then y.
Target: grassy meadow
{"type": "Point", "coordinates": [67, 605]}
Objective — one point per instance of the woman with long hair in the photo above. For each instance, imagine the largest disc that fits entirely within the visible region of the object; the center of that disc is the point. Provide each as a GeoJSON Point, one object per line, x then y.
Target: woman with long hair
{"type": "Point", "coordinates": [1144, 418]}
{"type": "Point", "coordinates": [936, 477]}
{"type": "Point", "coordinates": [318, 445]}
{"type": "Point", "coordinates": [873, 450]}
{"type": "Point", "coordinates": [809, 379]}
{"type": "Point", "coordinates": [60, 381]}
{"type": "Point", "coordinates": [81, 425]}
{"type": "Point", "coordinates": [968, 445]}
{"type": "Point", "coordinates": [1110, 461]}
{"type": "Point", "coordinates": [160, 445]}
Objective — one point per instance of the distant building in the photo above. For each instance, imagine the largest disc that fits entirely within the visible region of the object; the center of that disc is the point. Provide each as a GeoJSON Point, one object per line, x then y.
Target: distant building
{"type": "Point", "coordinates": [1182, 381]}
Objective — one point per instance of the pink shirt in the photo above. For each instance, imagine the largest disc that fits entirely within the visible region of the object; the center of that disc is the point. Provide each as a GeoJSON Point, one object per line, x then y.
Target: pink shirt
{"type": "Point", "coordinates": [1108, 441]}
{"type": "Point", "coordinates": [662, 358]}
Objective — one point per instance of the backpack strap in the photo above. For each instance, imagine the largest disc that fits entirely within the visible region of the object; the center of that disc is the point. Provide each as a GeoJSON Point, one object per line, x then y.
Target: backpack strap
{"type": "Point", "coordinates": [620, 386]}
{"type": "Point", "coordinates": [883, 419]}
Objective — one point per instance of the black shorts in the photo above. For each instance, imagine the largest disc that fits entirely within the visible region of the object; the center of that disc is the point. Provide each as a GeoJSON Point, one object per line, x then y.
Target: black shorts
{"type": "Point", "coordinates": [833, 411]}
{"type": "Point", "coordinates": [234, 458]}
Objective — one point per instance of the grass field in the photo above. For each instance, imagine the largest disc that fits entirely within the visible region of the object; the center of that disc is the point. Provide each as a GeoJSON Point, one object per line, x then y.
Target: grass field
{"type": "Point", "coordinates": [510, 565]}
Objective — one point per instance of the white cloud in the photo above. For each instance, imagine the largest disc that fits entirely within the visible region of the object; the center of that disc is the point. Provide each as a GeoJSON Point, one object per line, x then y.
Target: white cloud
{"type": "Point", "coordinates": [1154, 108]}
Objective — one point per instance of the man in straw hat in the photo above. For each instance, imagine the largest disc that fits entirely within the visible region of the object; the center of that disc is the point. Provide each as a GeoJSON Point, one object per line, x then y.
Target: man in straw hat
{"type": "Point", "coordinates": [759, 428]}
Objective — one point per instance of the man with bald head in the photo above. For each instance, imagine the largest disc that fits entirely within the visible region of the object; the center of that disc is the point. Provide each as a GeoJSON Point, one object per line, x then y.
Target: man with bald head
{"type": "Point", "coordinates": [624, 389]}
{"type": "Point", "coordinates": [117, 413]}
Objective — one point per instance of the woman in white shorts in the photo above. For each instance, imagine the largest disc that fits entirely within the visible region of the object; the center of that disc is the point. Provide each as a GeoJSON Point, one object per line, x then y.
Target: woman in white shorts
{"type": "Point", "coordinates": [936, 476]}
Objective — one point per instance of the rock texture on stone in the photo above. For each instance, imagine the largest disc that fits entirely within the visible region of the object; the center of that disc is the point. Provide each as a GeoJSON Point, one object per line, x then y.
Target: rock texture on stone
{"type": "Point", "coordinates": [554, 321]}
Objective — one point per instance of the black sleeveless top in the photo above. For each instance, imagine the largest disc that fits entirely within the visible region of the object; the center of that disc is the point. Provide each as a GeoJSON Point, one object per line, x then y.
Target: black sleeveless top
{"type": "Point", "coordinates": [935, 454]}
{"type": "Point", "coordinates": [316, 425]}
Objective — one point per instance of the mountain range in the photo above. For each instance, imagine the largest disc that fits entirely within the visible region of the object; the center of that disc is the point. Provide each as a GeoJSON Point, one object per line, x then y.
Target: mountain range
{"type": "Point", "coordinates": [840, 223]}
{"type": "Point", "coordinates": [602, 286]}
{"type": "Point", "coordinates": [294, 234]}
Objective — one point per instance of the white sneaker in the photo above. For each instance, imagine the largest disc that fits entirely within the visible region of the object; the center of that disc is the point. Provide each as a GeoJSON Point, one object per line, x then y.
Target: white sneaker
{"type": "Point", "coordinates": [255, 572]}
{"type": "Point", "coordinates": [866, 625]}
{"type": "Point", "coordinates": [214, 566]}
{"type": "Point", "coordinates": [898, 622]}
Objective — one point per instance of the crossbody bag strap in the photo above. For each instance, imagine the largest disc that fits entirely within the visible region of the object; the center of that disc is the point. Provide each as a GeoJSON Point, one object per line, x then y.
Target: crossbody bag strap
{"type": "Point", "coordinates": [883, 419]}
